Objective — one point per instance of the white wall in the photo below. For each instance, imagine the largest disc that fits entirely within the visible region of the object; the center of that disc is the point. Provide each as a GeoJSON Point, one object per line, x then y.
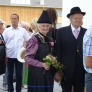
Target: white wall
{"type": "Point", "coordinates": [85, 5]}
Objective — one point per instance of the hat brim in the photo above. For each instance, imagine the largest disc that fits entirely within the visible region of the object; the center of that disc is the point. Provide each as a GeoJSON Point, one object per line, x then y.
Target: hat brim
{"type": "Point", "coordinates": [20, 55]}
{"type": "Point", "coordinates": [83, 13]}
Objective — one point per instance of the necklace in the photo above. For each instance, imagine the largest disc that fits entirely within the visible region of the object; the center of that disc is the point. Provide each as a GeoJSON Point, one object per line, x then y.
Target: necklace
{"type": "Point", "coordinates": [43, 38]}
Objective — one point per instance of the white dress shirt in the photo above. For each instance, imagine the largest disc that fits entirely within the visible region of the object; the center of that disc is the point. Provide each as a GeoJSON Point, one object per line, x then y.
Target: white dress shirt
{"type": "Point", "coordinates": [14, 39]}
{"type": "Point", "coordinates": [57, 87]}
{"type": "Point", "coordinates": [73, 29]}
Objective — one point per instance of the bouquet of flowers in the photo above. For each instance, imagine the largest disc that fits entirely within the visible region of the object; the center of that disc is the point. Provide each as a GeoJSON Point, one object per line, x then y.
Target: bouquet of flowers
{"type": "Point", "coordinates": [51, 60]}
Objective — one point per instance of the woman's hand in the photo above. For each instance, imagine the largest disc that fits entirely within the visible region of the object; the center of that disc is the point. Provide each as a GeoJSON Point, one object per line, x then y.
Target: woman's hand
{"type": "Point", "coordinates": [44, 65]}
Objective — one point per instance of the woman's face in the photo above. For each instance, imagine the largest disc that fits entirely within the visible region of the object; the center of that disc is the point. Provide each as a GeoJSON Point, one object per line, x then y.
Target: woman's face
{"type": "Point", "coordinates": [44, 28]}
{"type": "Point", "coordinates": [33, 27]}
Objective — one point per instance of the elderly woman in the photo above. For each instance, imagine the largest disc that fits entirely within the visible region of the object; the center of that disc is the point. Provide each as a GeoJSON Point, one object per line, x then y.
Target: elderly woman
{"type": "Point", "coordinates": [37, 48]}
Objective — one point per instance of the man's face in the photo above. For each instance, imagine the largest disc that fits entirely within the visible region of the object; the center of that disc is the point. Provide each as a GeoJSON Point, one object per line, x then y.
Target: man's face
{"type": "Point", "coordinates": [76, 20]}
{"type": "Point", "coordinates": [1, 26]}
{"type": "Point", "coordinates": [14, 20]}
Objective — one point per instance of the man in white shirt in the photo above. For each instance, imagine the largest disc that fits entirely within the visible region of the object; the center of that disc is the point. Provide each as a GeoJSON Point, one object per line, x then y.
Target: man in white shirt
{"type": "Point", "coordinates": [14, 37]}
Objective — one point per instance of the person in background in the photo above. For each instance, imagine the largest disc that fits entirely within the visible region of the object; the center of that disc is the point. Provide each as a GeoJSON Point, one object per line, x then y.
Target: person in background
{"type": "Point", "coordinates": [69, 42]}
{"type": "Point", "coordinates": [5, 76]}
{"type": "Point", "coordinates": [26, 26]}
{"type": "Point", "coordinates": [57, 86]}
{"type": "Point", "coordinates": [5, 84]}
{"type": "Point", "coordinates": [14, 37]}
{"type": "Point", "coordinates": [1, 26]}
{"type": "Point", "coordinates": [30, 30]}
{"type": "Point", "coordinates": [34, 26]}
{"type": "Point", "coordinates": [2, 50]}
{"type": "Point", "coordinates": [4, 25]}
{"type": "Point", "coordinates": [87, 59]}
{"type": "Point", "coordinates": [53, 16]}
{"type": "Point", "coordinates": [37, 48]}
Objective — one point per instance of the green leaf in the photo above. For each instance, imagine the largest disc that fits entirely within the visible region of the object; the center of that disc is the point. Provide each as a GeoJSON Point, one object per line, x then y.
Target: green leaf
{"type": "Point", "coordinates": [48, 63]}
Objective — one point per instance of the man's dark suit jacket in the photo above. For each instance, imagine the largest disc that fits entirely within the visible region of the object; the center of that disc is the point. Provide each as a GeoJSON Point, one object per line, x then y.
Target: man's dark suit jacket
{"type": "Point", "coordinates": [67, 54]}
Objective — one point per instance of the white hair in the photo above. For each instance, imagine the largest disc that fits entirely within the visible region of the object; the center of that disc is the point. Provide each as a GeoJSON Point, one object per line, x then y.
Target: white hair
{"type": "Point", "coordinates": [4, 24]}
{"type": "Point", "coordinates": [24, 24]}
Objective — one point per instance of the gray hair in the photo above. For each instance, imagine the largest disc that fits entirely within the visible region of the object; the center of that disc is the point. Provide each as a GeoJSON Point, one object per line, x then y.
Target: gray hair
{"type": "Point", "coordinates": [24, 24]}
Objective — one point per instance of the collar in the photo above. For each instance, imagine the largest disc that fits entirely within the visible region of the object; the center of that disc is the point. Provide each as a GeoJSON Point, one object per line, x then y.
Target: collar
{"type": "Point", "coordinates": [46, 38]}
{"type": "Point", "coordinates": [72, 27]}
{"type": "Point", "coordinates": [14, 28]}
{"type": "Point", "coordinates": [42, 35]}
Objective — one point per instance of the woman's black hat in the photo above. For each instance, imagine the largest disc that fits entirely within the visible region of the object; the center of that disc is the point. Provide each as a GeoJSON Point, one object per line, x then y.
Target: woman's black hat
{"type": "Point", "coordinates": [44, 18]}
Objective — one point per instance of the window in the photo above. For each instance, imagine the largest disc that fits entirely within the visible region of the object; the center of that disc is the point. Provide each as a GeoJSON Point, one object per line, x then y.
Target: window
{"type": "Point", "coordinates": [20, 1]}
{"type": "Point", "coordinates": [59, 18]}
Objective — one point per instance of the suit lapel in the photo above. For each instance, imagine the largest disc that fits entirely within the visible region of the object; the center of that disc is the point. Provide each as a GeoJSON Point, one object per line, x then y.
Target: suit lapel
{"type": "Point", "coordinates": [71, 36]}
{"type": "Point", "coordinates": [70, 33]}
{"type": "Point", "coordinates": [80, 34]}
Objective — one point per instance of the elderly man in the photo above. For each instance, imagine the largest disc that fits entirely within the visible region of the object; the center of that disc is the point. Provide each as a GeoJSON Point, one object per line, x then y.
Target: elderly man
{"type": "Point", "coordinates": [69, 51]}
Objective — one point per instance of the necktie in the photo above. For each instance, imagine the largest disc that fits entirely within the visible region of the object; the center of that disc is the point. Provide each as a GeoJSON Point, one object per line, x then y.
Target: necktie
{"type": "Point", "coordinates": [76, 33]}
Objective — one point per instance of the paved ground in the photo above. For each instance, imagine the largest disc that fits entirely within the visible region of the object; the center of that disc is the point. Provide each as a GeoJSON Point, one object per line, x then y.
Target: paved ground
{"type": "Point", "coordinates": [57, 87]}
{"type": "Point", "coordinates": [1, 87]}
